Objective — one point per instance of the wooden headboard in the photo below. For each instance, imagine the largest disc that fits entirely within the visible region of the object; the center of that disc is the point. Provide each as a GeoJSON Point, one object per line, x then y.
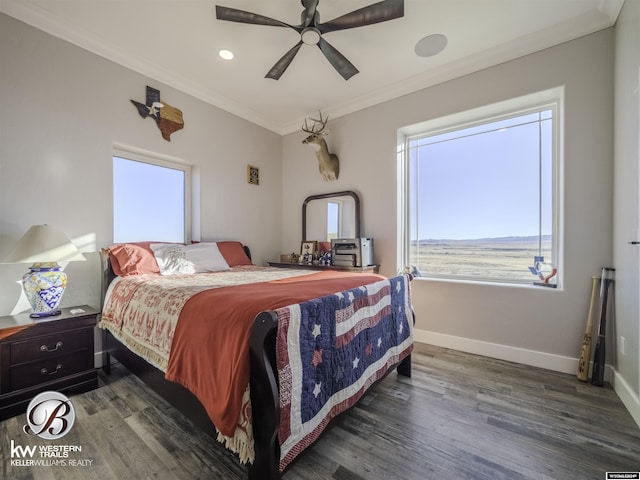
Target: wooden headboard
{"type": "Point", "coordinates": [108, 275]}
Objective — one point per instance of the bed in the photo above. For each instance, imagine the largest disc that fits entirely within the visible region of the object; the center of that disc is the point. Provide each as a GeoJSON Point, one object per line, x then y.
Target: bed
{"type": "Point", "coordinates": [262, 358]}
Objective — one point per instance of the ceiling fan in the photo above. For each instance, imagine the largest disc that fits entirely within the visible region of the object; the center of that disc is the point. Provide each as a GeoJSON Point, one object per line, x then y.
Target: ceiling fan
{"type": "Point", "coordinates": [311, 30]}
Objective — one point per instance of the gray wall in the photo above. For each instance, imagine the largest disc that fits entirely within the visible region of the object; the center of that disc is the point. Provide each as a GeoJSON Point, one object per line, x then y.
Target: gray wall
{"type": "Point", "coordinates": [626, 205]}
{"type": "Point", "coordinates": [532, 325]}
{"type": "Point", "coordinates": [62, 111]}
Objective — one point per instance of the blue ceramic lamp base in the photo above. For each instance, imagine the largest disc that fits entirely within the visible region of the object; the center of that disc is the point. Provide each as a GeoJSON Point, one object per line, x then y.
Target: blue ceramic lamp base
{"type": "Point", "coordinates": [44, 285]}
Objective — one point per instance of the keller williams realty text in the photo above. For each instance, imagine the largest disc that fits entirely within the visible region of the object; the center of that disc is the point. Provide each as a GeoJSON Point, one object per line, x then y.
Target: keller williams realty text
{"type": "Point", "coordinates": [27, 462]}
{"type": "Point", "coordinates": [46, 456]}
{"type": "Point", "coordinates": [45, 451]}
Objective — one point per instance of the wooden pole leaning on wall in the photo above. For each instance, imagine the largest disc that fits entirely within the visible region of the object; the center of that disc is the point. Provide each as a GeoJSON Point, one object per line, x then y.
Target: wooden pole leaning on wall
{"type": "Point", "coordinates": [585, 352]}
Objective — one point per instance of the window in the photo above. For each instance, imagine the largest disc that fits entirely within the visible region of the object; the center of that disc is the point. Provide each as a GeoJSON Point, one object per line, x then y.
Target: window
{"type": "Point", "coordinates": [480, 193]}
{"type": "Point", "coordinates": [333, 220]}
{"type": "Point", "coordinates": [150, 199]}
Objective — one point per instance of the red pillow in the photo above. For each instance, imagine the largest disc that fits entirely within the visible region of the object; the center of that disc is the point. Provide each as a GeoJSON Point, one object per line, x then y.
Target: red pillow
{"type": "Point", "coordinates": [133, 259]}
{"type": "Point", "coordinates": [234, 253]}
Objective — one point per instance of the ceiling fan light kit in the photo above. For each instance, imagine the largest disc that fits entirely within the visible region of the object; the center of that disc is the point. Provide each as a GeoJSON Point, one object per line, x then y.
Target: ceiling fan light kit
{"type": "Point", "coordinates": [311, 30]}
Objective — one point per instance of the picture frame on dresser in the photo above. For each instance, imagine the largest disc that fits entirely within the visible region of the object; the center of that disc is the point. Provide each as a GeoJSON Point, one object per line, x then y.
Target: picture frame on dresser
{"type": "Point", "coordinates": [308, 248]}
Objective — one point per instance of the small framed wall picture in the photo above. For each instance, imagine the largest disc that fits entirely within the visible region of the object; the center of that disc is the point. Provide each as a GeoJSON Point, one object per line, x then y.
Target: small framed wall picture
{"type": "Point", "coordinates": [253, 175]}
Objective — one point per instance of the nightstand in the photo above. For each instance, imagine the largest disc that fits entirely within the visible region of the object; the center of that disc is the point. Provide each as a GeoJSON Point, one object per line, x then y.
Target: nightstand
{"type": "Point", "coordinates": [50, 353]}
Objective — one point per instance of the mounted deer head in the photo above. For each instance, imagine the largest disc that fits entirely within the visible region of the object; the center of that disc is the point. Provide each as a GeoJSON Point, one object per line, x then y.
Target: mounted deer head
{"type": "Point", "coordinates": [328, 163]}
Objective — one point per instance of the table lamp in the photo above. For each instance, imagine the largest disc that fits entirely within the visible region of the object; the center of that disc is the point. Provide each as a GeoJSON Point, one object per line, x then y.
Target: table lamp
{"type": "Point", "coordinates": [44, 246]}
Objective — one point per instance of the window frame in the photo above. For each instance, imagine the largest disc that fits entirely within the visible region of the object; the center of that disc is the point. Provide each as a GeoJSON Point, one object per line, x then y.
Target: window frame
{"type": "Point", "coordinates": [158, 160]}
{"type": "Point", "coordinates": [551, 99]}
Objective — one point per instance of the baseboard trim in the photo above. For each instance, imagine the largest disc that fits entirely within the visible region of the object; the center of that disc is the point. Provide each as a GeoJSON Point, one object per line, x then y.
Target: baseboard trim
{"type": "Point", "coordinates": [628, 397]}
{"type": "Point", "coordinates": [534, 358]}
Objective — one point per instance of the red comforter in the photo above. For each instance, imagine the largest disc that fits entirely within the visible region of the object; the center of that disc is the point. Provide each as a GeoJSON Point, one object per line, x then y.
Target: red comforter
{"type": "Point", "coordinates": [210, 349]}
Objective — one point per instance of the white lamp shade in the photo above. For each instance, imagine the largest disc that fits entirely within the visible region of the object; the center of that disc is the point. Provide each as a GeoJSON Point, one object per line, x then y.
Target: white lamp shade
{"type": "Point", "coordinates": [44, 244]}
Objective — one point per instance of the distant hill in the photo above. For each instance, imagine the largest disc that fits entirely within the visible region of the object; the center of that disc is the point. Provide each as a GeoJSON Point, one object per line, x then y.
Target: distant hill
{"type": "Point", "coordinates": [512, 239]}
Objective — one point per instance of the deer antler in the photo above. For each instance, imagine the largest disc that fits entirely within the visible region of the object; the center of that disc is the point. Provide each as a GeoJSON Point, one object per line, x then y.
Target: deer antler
{"type": "Point", "coordinates": [323, 124]}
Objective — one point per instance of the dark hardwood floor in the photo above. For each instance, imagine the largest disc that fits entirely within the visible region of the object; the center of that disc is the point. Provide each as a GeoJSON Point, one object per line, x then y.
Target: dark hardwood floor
{"type": "Point", "coordinates": [459, 417]}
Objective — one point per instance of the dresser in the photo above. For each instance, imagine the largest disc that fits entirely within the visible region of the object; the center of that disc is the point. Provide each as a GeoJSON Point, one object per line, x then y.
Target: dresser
{"type": "Point", "coordinates": [307, 266]}
{"type": "Point", "coordinates": [52, 353]}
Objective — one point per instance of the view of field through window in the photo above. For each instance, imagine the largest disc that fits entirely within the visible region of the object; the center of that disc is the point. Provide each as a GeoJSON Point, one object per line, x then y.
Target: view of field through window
{"type": "Point", "coordinates": [480, 199]}
{"type": "Point", "coordinates": [507, 258]}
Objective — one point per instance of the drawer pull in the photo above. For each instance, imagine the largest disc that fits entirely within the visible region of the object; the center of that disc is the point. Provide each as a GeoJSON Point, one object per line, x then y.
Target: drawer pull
{"type": "Point", "coordinates": [44, 348]}
{"type": "Point", "coordinates": [44, 371]}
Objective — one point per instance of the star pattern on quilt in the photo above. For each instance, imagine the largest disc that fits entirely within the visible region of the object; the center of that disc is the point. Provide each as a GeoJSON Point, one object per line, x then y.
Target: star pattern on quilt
{"type": "Point", "coordinates": [316, 330]}
{"type": "Point", "coordinates": [379, 341]}
{"type": "Point", "coordinates": [400, 328]}
{"type": "Point", "coordinates": [355, 362]}
{"type": "Point", "coordinates": [317, 389]}
{"type": "Point", "coordinates": [368, 350]}
{"type": "Point", "coordinates": [317, 357]}
{"type": "Point", "coordinates": [351, 296]}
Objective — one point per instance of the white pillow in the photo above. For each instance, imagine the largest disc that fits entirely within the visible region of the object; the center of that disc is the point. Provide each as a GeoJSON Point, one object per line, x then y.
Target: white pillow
{"type": "Point", "coordinates": [197, 258]}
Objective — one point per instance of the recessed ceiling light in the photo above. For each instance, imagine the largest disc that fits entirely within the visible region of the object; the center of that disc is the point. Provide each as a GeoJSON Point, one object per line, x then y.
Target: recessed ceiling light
{"type": "Point", "coordinates": [226, 54]}
{"type": "Point", "coordinates": [431, 45]}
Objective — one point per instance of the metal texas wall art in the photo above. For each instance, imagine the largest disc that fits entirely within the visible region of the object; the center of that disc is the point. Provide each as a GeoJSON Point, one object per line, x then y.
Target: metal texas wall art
{"type": "Point", "coordinates": [168, 118]}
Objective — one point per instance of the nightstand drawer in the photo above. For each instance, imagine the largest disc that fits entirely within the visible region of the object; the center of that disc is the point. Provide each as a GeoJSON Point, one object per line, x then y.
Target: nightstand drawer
{"type": "Point", "coordinates": [50, 353]}
{"type": "Point", "coordinates": [48, 370]}
{"type": "Point", "coordinates": [49, 346]}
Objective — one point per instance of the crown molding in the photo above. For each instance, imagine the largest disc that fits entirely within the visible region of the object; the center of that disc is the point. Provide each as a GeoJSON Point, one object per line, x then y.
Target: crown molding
{"type": "Point", "coordinates": [538, 41]}
{"type": "Point", "coordinates": [611, 8]}
{"type": "Point", "coordinates": [41, 19]}
{"type": "Point", "coordinates": [38, 17]}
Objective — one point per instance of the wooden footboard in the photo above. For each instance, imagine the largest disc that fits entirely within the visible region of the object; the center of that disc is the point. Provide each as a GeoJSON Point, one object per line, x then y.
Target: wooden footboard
{"type": "Point", "coordinates": [265, 398]}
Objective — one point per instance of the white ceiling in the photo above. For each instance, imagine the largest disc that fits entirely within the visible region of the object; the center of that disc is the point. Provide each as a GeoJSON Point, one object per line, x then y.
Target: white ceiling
{"type": "Point", "coordinates": [176, 42]}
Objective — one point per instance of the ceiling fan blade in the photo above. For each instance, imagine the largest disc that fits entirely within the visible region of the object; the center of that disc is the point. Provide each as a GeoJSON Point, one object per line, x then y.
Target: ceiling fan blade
{"type": "Point", "coordinates": [240, 16]}
{"type": "Point", "coordinates": [343, 66]}
{"type": "Point", "coordinates": [376, 13]}
{"type": "Point", "coordinates": [281, 65]}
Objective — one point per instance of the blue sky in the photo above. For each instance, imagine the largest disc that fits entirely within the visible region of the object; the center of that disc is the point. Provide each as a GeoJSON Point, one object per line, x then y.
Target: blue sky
{"type": "Point", "coordinates": [148, 202]}
{"type": "Point", "coordinates": [484, 181]}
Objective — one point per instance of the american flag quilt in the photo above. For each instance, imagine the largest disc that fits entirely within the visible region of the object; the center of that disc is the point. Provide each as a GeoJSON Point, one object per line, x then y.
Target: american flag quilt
{"type": "Point", "coordinates": [330, 350]}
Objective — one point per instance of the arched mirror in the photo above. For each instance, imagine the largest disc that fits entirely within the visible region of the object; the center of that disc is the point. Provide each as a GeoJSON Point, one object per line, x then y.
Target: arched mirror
{"type": "Point", "coordinates": [331, 215]}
